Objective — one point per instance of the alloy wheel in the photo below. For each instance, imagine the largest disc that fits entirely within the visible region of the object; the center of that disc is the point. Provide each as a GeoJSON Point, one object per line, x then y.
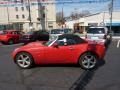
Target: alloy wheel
{"type": "Point", "coordinates": [88, 61]}
{"type": "Point", "coordinates": [10, 42]}
{"type": "Point", "coordinates": [24, 60]}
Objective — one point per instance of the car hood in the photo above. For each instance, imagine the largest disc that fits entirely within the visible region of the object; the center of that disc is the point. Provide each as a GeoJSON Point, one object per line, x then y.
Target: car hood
{"type": "Point", "coordinates": [35, 44]}
{"type": "Point", "coordinates": [29, 47]}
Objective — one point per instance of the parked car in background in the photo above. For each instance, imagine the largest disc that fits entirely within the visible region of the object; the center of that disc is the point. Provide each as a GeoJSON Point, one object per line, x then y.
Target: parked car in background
{"type": "Point", "coordinates": [64, 49]}
{"type": "Point", "coordinates": [32, 36]}
{"type": "Point", "coordinates": [99, 34]}
{"type": "Point", "coordinates": [60, 31]}
{"type": "Point", "coordinates": [57, 32]}
{"type": "Point", "coordinates": [10, 36]}
{"type": "Point", "coordinates": [1, 32]}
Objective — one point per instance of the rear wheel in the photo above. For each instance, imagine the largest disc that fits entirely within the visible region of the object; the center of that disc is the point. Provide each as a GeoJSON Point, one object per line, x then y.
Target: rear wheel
{"type": "Point", "coordinates": [24, 60]}
{"type": "Point", "coordinates": [88, 61]}
{"type": "Point", "coordinates": [10, 41]}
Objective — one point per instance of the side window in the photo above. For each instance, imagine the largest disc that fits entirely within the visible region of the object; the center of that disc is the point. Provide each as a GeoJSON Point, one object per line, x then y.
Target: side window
{"type": "Point", "coordinates": [18, 32]}
{"type": "Point", "coordinates": [12, 33]}
{"type": "Point", "coordinates": [62, 42]}
{"type": "Point", "coordinates": [44, 32]}
{"type": "Point", "coordinates": [71, 42]}
{"type": "Point", "coordinates": [15, 33]}
{"type": "Point", "coordinates": [36, 33]}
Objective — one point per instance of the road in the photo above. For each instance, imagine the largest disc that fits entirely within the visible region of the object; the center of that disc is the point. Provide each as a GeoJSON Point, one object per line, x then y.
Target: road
{"type": "Point", "coordinates": [60, 77]}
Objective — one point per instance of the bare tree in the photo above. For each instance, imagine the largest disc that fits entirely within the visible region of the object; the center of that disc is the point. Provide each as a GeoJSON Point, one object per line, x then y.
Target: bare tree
{"type": "Point", "coordinates": [76, 15]}
{"type": "Point", "coordinates": [60, 17]}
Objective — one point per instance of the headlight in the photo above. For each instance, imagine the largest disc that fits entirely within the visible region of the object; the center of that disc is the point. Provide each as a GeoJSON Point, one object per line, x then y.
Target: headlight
{"type": "Point", "coordinates": [16, 49]}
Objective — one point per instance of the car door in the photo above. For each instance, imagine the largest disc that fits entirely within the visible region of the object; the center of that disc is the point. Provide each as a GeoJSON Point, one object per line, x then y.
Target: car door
{"type": "Point", "coordinates": [55, 54]}
{"type": "Point", "coordinates": [72, 51]}
{"type": "Point", "coordinates": [61, 54]}
{"type": "Point", "coordinates": [16, 36]}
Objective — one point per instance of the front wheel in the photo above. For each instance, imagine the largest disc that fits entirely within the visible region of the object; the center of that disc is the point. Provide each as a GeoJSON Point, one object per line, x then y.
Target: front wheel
{"type": "Point", "coordinates": [88, 61]}
{"type": "Point", "coordinates": [24, 60]}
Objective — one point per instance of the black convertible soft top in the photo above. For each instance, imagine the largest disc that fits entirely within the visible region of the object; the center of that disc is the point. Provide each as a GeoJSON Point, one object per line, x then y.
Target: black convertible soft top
{"type": "Point", "coordinates": [72, 36]}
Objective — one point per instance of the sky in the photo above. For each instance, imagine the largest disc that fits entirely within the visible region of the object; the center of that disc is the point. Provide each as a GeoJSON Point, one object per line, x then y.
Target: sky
{"type": "Point", "coordinates": [91, 7]}
{"type": "Point", "coordinates": [83, 5]}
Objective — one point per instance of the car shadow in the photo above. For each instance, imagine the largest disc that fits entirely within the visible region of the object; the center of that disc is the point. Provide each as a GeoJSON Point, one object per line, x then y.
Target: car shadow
{"type": "Point", "coordinates": [107, 45]}
{"type": "Point", "coordinates": [79, 84]}
{"type": "Point", "coordinates": [85, 77]}
{"type": "Point", "coordinates": [57, 65]}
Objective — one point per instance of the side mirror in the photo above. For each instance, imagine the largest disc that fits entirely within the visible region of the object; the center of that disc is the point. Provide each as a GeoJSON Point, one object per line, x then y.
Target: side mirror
{"type": "Point", "coordinates": [55, 45]}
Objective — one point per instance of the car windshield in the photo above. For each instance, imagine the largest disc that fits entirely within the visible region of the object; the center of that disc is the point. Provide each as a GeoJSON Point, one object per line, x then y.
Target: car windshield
{"type": "Point", "coordinates": [67, 30]}
{"type": "Point", "coordinates": [30, 33]}
{"type": "Point", "coordinates": [52, 39]}
{"type": "Point", "coordinates": [57, 31]}
{"type": "Point", "coordinates": [96, 30]}
{"type": "Point", "coordinates": [60, 31]}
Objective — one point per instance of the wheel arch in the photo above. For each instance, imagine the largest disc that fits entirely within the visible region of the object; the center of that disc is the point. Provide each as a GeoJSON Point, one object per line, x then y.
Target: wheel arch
{"type": "Point", "coordinates": [10, 39]}
{"type": "Point", "coordinates": [92, 52]}
{"type": "Point", "coordinates": [23, 52]}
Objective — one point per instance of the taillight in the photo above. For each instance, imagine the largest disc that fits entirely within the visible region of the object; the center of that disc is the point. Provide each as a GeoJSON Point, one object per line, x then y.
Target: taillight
{"type": "Point", "coordinates": [91, 47]}
{"type": "Point", "coordinates": [104, 36]}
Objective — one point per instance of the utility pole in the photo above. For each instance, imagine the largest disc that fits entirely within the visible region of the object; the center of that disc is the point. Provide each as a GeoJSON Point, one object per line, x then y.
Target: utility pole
{"type": "Point", "coordinates": [103, 22]}
{"type": "Point", "coordinates": [62, 21]}
{"type": "Point", "coordinates": [8, 18]}
{"type": "Point", "coordinates": [111, 14]}
{"type": "Point", "coordinates": [42, 14]}
{"type": "Point", "coordinates": [29, 10]}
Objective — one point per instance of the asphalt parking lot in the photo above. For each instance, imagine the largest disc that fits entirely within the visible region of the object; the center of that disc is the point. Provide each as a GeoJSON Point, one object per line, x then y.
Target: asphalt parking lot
{"type": "Point", "coordinates": [60, 77]}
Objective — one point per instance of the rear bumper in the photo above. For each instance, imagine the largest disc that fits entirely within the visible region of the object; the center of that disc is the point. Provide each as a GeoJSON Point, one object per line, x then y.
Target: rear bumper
{"type": "Point", "coordinates": [99, 41]}
{"type": "Point", "coordinates": [25, 40]}
{"type": "Point", "coordinates": [101, 51]}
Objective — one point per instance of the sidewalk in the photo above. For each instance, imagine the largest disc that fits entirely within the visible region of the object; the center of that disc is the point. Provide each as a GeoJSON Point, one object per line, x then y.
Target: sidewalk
{"type": "Point", "coordinates": [115, 38]}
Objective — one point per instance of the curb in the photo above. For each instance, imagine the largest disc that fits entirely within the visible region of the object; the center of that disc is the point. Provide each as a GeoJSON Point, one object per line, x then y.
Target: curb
{"type": "Point", "coordinates": [0, 44]}
{"type": "Point", "coordinates": [115, 38]}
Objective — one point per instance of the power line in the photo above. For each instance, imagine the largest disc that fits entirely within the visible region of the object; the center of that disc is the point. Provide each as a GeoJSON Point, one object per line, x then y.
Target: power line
{"type": "Point", "coordinates": [56, 2]}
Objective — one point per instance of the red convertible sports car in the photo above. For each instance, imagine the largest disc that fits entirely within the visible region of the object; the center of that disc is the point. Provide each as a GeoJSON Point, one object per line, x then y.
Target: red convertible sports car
{"type": "Point", "coordinates": [63, 49]}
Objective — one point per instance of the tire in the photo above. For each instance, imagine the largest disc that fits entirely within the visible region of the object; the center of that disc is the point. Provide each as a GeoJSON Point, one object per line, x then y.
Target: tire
{"type": "Point", "coordinates": [24, 60]}
{"type": "Point", "coordinates": [10, 41]}
{"type": "Point", "coordinates": [88, 61]}
{"type": "Point", "coordinates": [3, 42]}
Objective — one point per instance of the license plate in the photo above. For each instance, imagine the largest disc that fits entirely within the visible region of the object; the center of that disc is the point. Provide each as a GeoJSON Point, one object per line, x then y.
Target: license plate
{"type": "Point", "coordinates": [94, 38]}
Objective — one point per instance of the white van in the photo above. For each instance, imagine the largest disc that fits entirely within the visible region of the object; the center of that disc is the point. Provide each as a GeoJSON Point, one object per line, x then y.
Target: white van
{"type": "Point", "coordinates": [98, 34]}
{"type": "Point", "coordinates": [60, 31]}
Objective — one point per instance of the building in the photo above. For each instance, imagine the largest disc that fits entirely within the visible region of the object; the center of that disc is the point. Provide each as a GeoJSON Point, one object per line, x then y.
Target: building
{"type": "Point", "coordinates": [27, 14]}
{"type": "Point", "coordinates": [98, 19]}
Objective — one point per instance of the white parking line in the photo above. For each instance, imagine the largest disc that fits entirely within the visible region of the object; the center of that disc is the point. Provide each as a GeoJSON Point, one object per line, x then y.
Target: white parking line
{"type": "Point", "coordinates": [118, 44]}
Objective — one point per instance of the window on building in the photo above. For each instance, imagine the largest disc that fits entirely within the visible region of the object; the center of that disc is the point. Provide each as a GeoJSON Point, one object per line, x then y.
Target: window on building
{"type": "Point", "coordinates": [23, 16]}
{"type": "Point", "coordinates": [16, 8]}
{"type": "Point", "coordinates": [22, 8]}
{"type": "Point", "coordinates": [43, 15]}
{"type": "Point", "coordinates": [17, 16]}
{"type": "Point", "coordinates": [21, 26]}
{"type": "Point", "coordinates": [43, 7]}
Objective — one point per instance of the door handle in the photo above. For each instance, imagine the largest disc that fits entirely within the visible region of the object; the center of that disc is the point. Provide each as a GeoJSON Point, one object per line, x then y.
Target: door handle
{"type": "Point", "coordinates": [71, 48]}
